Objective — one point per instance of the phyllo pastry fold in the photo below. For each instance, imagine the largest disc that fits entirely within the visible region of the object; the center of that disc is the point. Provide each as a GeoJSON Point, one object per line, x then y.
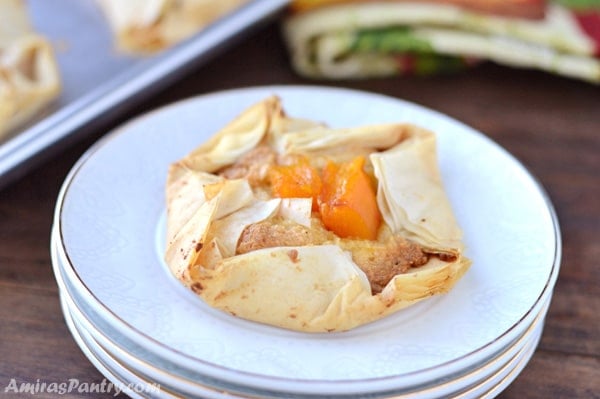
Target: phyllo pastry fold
{"type": "Point", "coordinates": [287, 222]}
{"type": "Point", "coordinates": [29, 76]}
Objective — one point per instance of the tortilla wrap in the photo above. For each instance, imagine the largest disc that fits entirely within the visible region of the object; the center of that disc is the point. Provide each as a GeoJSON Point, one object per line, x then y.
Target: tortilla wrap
{"type": "Point", "coordinates": [345, 39]}
{"type": "Point", "coordinates": [311, 288]}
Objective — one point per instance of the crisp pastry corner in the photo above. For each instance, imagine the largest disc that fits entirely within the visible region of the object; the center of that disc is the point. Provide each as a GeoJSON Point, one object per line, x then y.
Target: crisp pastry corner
{"type": "Point", "coordinates": [29, 74]}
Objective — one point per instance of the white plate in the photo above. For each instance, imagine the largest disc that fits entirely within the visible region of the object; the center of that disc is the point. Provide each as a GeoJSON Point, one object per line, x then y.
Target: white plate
{"type": "Point", "coordinates": [488, 387]}
{"type": "Point", "coordinates": [113, 368]}
{"type": "Point", "coordinates": [131, 384]}
{"type": "Point", "coordinates": [471, 383]}
{"type": "Point", "coordinates": [110, 217]}
{"type": "Point", "coordinates": [84, 328]}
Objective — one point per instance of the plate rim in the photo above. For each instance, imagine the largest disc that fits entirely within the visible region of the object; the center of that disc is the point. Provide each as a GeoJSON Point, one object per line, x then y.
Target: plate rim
{"type": "Point", "coordinates": [524, 343]}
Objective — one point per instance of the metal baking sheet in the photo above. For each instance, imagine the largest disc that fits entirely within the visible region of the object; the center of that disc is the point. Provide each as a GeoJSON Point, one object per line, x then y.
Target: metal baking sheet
{"type": "Point", "coordinates": [98, 81]}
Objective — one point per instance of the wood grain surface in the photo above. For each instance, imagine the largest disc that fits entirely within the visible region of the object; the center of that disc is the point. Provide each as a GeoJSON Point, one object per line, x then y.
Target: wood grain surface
{"type": "Point", "coordinates": [551, 124]}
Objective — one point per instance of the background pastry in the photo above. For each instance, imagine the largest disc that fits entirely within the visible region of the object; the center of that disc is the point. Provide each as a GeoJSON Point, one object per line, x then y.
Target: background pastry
{"type": "Point", "coordinates": [152, 25]}
{"type": "Point", "coordinates": [29, 76]}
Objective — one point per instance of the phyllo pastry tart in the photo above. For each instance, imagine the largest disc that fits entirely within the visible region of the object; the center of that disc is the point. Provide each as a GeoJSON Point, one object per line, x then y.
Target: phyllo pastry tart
{"type": "Point", "coordinates": [290, 223]}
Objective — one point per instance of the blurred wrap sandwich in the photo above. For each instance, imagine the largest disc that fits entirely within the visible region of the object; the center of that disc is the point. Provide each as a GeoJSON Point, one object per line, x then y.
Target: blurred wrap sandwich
{"type": "Point", "coordinates": [341, 39]}
{"type": "Point", "coordinates": [29, 77]}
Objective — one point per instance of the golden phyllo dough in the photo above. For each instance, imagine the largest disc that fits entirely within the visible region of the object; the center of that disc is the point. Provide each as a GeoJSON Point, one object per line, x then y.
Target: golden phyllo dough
{"type": "Point", "coordinates": [287, 222]}
{"type": "Point", "coordinates": [29, 77]}
{"type": "Point", "coordinates": [143, 26]}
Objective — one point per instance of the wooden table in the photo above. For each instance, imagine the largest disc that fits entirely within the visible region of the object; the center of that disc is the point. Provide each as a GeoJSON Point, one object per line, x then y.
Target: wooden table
{"type": "Point", "coordinates": [550, 123]}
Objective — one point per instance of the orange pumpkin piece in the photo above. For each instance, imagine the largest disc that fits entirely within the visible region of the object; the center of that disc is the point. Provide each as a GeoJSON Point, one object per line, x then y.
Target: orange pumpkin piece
{"type": "Point", "coordinates": [298, 180]}
{"type": "Point", "coordinates": [348, 202]}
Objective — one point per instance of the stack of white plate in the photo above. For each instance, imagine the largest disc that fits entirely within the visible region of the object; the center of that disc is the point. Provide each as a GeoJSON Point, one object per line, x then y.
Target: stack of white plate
{"type": "Point", "coordinates": [144, 330]}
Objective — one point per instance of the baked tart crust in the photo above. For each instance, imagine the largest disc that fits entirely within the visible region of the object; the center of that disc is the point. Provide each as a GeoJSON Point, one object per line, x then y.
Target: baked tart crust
{"type": "Point", "coordinates": [273, 259]}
